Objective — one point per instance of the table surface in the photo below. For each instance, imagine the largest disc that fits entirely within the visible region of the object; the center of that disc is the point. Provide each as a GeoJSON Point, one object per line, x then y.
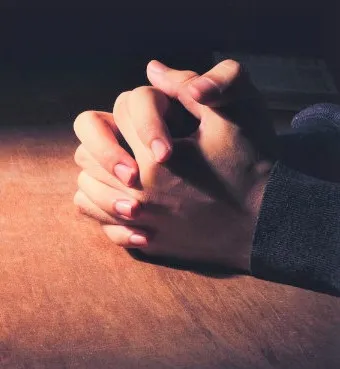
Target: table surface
{"type": "Point", "coordinates": [70, 299]}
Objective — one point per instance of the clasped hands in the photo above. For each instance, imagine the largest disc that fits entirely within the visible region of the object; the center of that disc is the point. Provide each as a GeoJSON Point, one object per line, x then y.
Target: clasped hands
{"type": "Point", "coordinates": [194, 198]}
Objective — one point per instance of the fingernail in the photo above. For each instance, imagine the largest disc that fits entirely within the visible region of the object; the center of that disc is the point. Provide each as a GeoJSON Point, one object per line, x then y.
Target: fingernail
{"type": "Point", "coordinates": [124, 173]}
{"type": "Point", "coordinates": [203, 87]}
{"type": "Point", "coordinates": [138, 240]}
{"type": "Point", "coordinates": [124, 207]}
{"type": "Point", "coordinates": [157, 67]}
{"type": "Point", "coordinates": [160, 150]}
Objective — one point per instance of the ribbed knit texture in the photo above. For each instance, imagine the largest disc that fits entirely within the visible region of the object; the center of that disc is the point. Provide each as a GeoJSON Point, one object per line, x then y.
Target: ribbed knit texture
{"type": "Point", "coordinates": [297, 238]}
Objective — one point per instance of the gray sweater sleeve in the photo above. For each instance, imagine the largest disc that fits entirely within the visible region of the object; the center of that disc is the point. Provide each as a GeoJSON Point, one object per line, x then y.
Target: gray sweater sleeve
{"type": "Point", "coordinates": [297, 238]}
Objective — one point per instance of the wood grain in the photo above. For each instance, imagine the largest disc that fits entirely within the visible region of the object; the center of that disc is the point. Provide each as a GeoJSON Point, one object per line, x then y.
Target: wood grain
{"type": "Point", "coordinates": [71, 299]}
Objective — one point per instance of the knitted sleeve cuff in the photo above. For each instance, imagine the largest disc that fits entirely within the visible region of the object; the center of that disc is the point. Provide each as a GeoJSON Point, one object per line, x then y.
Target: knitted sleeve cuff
{"type": "Point", "coordinates": [297, 237]}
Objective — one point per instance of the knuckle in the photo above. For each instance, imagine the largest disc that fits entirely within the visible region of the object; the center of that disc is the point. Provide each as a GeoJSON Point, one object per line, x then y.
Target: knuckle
{"type": "Point", "coordinates": [183, 91]}
{"type": "Point", "coordinates": [77, 199]}
{"type": "Point", "coordinates": [119, 100]}
{"type": "Point", "coordinates": [79, 155]}
{"type": "Point", "coordinates": [142, 198]}
{"type": "Point", "coordinates": [148, 130]}
{"type": "Point", "coordinates": [118, 221]}
{"type": "Point", "coordinates": [183, 79]}
{"type": "Point", "coordinates": [85, 117]}
{"type": "Point", "coordinates": [148, 94]}
{"type": "Point", "coordinates": [81, 179]}
{"type": "Point", "coordinates": [84, 210]}
{"type": "Point", "coordinates": [143, 90]}
{"type": "Point", "coordinates": [110, 157]}
{"type": "Point", "coordinates": [151, 104]}
{"type": "Point", "coordinates": [234, 67]}
{"type": "Point", "coordinates": [145, 131]}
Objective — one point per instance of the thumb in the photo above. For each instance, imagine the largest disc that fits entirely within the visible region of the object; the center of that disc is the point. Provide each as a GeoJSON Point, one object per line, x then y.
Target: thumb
{"type": "Point", "coordinates": [229, 91]}
{"type": "Point", "coordinates": [225, 83]}
{"type": "Point", "coordinates": [173, 83]}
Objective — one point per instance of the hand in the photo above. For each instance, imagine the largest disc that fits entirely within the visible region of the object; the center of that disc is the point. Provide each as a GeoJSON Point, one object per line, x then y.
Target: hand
{"type": "Point", "coordinates": [201, 215]}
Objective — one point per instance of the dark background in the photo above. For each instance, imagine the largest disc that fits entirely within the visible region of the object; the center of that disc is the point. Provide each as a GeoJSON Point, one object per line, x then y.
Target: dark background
{"type": "Point", "coordinates": [84, 55]}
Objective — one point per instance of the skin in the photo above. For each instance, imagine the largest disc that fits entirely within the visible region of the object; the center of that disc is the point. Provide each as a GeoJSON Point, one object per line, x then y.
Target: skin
{"type": "Point", "coordinates": [179, 194]}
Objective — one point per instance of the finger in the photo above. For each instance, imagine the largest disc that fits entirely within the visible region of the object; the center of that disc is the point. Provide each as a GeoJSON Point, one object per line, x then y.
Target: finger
{"type": "Point", "coordinates": [224, 83]}
{"type": "Point", "coordinates": [110, 200]}
{"type": "Point", "coordinates": [173, 82]}
{"type": "Point", "coordinates": [139, 117]}
{"type": "Point", "coordinates": [83, 158]}
{"type": "Point", "coordinates": [96, 130]}
{"type": "Point", "coordinates": [127, 237]}
{"type": "Point", "coordinates": [147, 107]}
{"type": "Point", "coordinates": [116, 229]}
{"type": "Point", "coordinates": [88, 164]}
{"type": "Point", "coordinates": [88, 208]}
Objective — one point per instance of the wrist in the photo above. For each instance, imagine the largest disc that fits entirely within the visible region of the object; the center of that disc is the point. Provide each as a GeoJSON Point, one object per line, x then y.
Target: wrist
{"type": "Point", "coordinates": [254, 199]}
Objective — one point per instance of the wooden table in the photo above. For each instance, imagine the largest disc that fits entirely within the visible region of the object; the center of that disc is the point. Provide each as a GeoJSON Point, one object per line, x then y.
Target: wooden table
{"type": "Point", "coordinates": [69, 298]}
